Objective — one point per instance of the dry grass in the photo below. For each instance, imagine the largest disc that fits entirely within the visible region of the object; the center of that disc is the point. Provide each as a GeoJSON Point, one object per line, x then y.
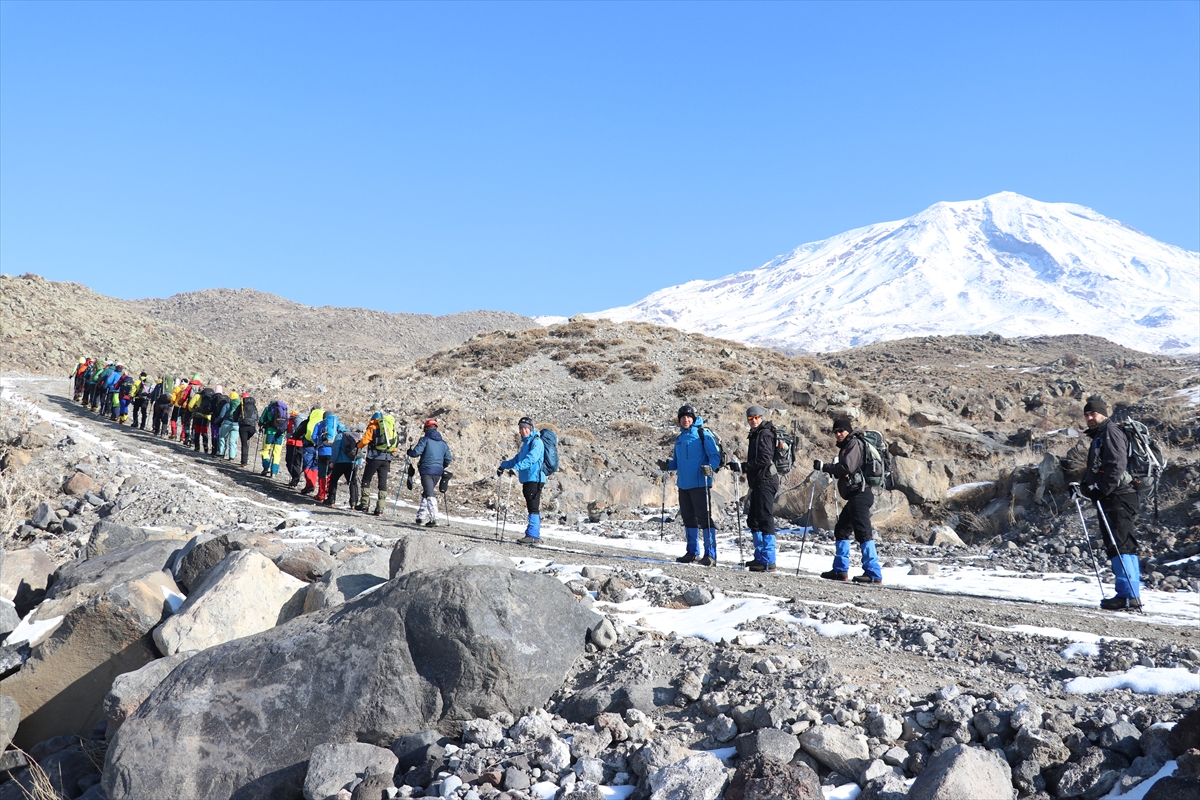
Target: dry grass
{"type": "Point", "coordinates": [642, 371]}
{"type": "Point", "coordinates": [699, 379]}
{"type": "Point", "coordinates": [582, 434]}
{"type": "Point", "coordinates": [587, 370]}
{"type": "Point", "coordinates": [630, 429]}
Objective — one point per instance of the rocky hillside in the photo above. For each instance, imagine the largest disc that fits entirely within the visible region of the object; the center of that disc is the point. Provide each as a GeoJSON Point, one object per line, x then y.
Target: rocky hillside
{"type": "Point", "coordinates": [45, 327]}
{"type": "Point", "coordinates": [271, 330]}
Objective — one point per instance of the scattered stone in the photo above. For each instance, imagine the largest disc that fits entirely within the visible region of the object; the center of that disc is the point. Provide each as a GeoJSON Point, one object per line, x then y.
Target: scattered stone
{"type": "Point", "coordinates": [697, 596]}
{"type": "Point", "coordinates": [698, 777]}
{"type": "Point", "coordinates": [334, 766]}
{"type": "Point", "coordinates": [840, 749]}
{"type": "Point", "coordinates": [963, 772]}
{"type": "Point", "coordinates": [760, 778]}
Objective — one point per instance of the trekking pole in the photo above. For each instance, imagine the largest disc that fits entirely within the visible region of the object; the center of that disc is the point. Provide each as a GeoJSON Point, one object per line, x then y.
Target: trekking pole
{"type": "Point", "coordinates": [507, 502]}
{"type": "Point", "coordinates": [444, 484]}
{"type": "Point", "coordinates": [400, 479]}
{"type": "Point", "coordinates": [808, 522]}
{"type": "Point", "coordinates": [499, 478]}
{"type": "Point", "coordinates": [1112, 541]}
{"type": "Point", "coordinates": [737, 508]}
{"type": "Point", "coordinates": [708, 504]}
{"type": "Point", "coordinates": [1087, 537]}
{"type": "Point", "coordinates": [662, 509]}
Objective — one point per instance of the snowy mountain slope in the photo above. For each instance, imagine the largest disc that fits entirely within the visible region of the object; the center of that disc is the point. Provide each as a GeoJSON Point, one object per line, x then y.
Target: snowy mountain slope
{"type": "Point", "coordinates": [1004, 264]}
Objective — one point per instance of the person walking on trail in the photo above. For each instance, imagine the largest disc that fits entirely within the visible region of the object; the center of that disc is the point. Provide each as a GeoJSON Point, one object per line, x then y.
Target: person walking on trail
{"type": "Point", "coordinates": [696, 457]}
{"type": "Point", "coordinates": [276, 426]}
{"type": "Point", "coordinates": [528, 463]}
{"type": "Point", "coordinates": [855, 517]}
{"type": "Point", "coordinates": [1108, 484]}
{"type": "Point", "coordinates": [295, 448]}
{"type": "Point", "coordinates": [221, 406]}
{"type": "Point", "coordinates": [80, 379]}
{"type": "Point", "coordinates": [141, 398]}
{"type": "Point", "coordinates": [311, 477]}
{"type": "Point", "coordinates": [380, 441]}
{"type": "Point", "coordinates": [345, 464]}
{"type": "Point", "coordinates": [763, 480]}
{"type": "Point", "coordinates": [160, 397]}
{"type": "Point", "coordinates": [324, 435]}
{"type": "Point", "coordinates": [112, 390]}
{"type": "Point", "coordinates": [247, 425]}
{"type": "Point", "coordinates": [433, 457]}
{"type": "Point", "coordinates": [231, 418]}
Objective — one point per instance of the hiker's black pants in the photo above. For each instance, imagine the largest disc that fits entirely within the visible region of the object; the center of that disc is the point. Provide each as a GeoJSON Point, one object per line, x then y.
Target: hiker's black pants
{"type": "Point", "coordinates": [139, 409]}
{"type": "Point", "coordinates": [245, 434]}
{"type": "Point", "coordinates": [162, 414]}
{"type": "Point", "coordinates": [429, 485]}
{"type": "Point", "coordinates": [856, 518]}
{"type": "Point", "coordinates": [693, 508]}
{"type": "Point", "coordinates": [337, 472]}
{"type": "Point", "coordinates": [373, 467]}
{"type": "Point", "coordinates": [533, 496]}
{"type": "Point", "coordinates": [760, 511]}
{"type": "Point", "coordinates": [294, 459]}
{"type": "Point", "coordinates": [1121, 511]}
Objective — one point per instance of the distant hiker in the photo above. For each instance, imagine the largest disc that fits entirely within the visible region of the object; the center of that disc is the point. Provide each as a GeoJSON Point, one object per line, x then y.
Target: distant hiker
{"type": "Point", "coordinates": [247, 425]}
{"type": "Point", "coordinates": [856, 514]}
{"type": "Point", "coordinates": [433, 457]}
{"type": "Point", "coordinates": [380, 441]}
{"type": "Point", "coordinates": [310, 450]}
{"type": "Point", "coordinates": [190, 390]}
{"type": "Point", "coordinates": [200, 405]}
{"type": "Point", "coordinates": [101, 399]}
{"type": "Point", "coordinates": [141, 399]}
{"type": "Point", "coordinates": [111, 391]}
{"type": "Point", "coordinates": [276, 425]}
{"type": "Point", "coordinates": [89, 384]}
{"type": "Point", "coordinates": [79, 378]}
{"type": "Point", "coordinates": [1108, 484]}
{"type": "Point", "coordinates": [160, 396]}
{"type": "Point", "coordinates": [346, 462]}
{"type": "Point", "coordinates": [324, 435]}
{"type": "Point", "coordinates": [763, 480]}
{"type": "Point", "coordinates": [229, 419]}
{"type": "Point", "coordinates": [295, 448]}
{"type": "Point", "coordinates": [125, 389]}
{"type": "Point", "coordinates": [528, 463]}
{"type": "Point", "coordinates": [696, 456]}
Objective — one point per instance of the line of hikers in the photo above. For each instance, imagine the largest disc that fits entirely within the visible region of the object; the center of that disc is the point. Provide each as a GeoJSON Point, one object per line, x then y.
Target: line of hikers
{"type": "Point", "coordinates": [315, 447]}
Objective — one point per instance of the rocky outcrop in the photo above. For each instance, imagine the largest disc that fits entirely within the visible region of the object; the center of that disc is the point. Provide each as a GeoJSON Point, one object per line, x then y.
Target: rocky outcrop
{"type": "Point", "coordinates": [349, 579]}
{"type": "Point", "coordinates": [427, 650]}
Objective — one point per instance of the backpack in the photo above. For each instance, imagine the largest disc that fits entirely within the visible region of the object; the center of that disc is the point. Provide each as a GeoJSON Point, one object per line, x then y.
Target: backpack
{"type": "Point", "coordinates": [205, 409]}
{"type": "Point", "coordinates": [717, 441]}
{"type": "Point", "coordinates": [784, 457]}
{"type": "Point", "coordinates": [549, 451]}
{"type": "Point", "coordinates": [125, 387]}
{"type": "Point", "coordinates": [386, 438]}
{"type": "Point", "coordinates": [275, 417]}
{"type": "Point", "coordinates": [1145, 462]}
{"type": "Point", "coordinates": [329, 432]}
{"type": "Point", "coordinates": [249, 410]}
{"type": "Point", "coordinates": [876, 469]}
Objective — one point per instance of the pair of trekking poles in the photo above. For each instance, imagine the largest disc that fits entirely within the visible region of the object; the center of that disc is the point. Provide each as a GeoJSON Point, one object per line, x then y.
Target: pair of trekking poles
{"type": "Point", "coordinates": [1109, 538]}
{"type": "Point", "coordinates": [737, 503]}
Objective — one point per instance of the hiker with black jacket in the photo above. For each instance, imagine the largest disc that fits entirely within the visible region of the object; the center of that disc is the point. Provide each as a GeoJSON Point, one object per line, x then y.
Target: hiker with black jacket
{"type": "Point", "coordinates": [161, 397]}
{"type": "Point", "coordinates": [763, 480]}
{"type": "Point", "coordinates": [247, 425]}
{"type": "Point", "coordinates": [1107, 483]}
{"type": "Point", "coordinates": [856, 514]}
{"type": "Point", "coordinates": [433, 457]}
{"type": "Point", "coordinates": [693, 461]}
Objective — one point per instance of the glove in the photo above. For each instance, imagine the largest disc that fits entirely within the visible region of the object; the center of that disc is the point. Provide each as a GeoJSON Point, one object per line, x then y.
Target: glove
{"type": "Point", "coordinates": [706, 471]}
{"type": "Point", "coordinates": [1091, 492]}
{"type": "Point", "coordinates": [734, 466]}
{"type": "Point", "coordinates": [444, 483]}
{"type": "Point", "coordinates": [409, 481]}
{"type": "Point", "coordinates": [819, 465]}
{"type": "Point", "coordinates": [662, 464]}
{"type": "Point", "coordinates": [499, 471]}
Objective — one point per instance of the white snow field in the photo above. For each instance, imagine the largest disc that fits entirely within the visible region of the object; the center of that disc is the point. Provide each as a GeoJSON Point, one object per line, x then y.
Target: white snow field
{"type": "Point", "coordinates": [1005, 264]}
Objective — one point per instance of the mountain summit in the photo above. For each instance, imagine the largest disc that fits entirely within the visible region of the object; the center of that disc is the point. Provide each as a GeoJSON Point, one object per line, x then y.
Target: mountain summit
{"type": "Point", "coordinates": [1004, 264]}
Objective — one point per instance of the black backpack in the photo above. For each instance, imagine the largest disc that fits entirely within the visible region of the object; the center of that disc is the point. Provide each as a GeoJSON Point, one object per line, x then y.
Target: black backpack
{"type": "Point", "coordinates": [1144, 460]}
{"type": "Point", "coordinates": [205, 407]}
{"type": "Point", "coordinates": [249, 410]}
{"type": "Point", "coordinates": [784, 457]}
{"type": "Point", "coordinates": [876, 469]}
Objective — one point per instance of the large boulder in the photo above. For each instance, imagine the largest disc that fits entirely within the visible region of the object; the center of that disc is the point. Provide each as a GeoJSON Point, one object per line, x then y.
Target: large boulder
{"type": "Point", "coordinates": [964, 771]}
{"type": "Point", "coordinates": [890, 508]}
{"type": "Point", "coordinates": [347, 580]}
{"type": "Point", "coordinates": [920, 482]}
{"type": "Point", "coordinates": [843, 750]}
{"type": "Point", "coordinates": [242, 595]}
{"type": "Point", "coordinates": [129, 690]}
{"type": "Point", "coordinates": [10, 719]}
{"type": "Point", "coordinates": [484, 557]}
{"type": "Point", "coordinates": [27, 573]}
{"type": "Point", "coordinates": [61, 688]}
{"type": "Point", "coordinates": [207, 553]}
{"type": "Point", "coordinates": [430, 649]}
{"type": "Point", "coordinates": [109, 536]}
{"type": "Point", "coordinates": [306, 563]}
{"type": "Point", "coordinates": [761, 778]}
{"type": "Point", "coordinates": [698, 777]}
{"type": "Point", "coordinates": [334, 766]}
{"type": "Point", "coordinates": [413, 553]}
{"type": "Point", "coordinates": [79, 581]}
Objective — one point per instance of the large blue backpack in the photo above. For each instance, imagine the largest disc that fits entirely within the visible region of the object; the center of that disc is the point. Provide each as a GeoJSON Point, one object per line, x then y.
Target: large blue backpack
{"type": "Point", "coordinates": [549, 451]}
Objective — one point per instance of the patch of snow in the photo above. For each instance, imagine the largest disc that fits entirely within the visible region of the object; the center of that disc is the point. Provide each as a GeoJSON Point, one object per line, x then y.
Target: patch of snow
{"type": "Point", "coordinates": [1141, 680]}
{"type": "Point", "coordinates": [1140, 791]}
{"type": "Point", "coordinates": [174, 599]}
{"type": "Point", "coordinates": [847, 791]}
{"type": "Point", "coordinates": [33, 632]}
{"type": "Point", "coordinates": [1079, 649]}
{"type": "Point", "coordinates": [962, 487]}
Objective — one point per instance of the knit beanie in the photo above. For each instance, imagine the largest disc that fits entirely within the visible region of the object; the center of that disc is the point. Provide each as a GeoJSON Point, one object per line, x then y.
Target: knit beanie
{"type": "Point", "coordinates": [1096, 404]}
{"type": "Point", "coordinates": [842, 424]}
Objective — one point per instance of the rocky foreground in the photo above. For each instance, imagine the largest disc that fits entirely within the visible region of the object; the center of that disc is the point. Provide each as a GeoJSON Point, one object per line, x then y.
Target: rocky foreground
{"type": "Point", "coordinates": [258, 648]}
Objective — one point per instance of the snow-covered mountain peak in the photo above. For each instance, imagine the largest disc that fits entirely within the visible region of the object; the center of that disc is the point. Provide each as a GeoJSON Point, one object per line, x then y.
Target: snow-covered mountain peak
{"type": "Point", "coordinates": [1005, 264]}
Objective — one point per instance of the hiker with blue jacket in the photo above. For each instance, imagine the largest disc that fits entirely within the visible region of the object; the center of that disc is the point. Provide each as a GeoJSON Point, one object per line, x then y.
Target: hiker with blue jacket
{"type": "Point", "coordinates": [696, 457]}
{"type": "Point", "coordinates": [433, 456]}
{"type": "Point", "coordinates": [345, 464]}
{"type": "Point", "coordinates": [323, 437]}
{"type": "Point", "coordinates": [528, 463]}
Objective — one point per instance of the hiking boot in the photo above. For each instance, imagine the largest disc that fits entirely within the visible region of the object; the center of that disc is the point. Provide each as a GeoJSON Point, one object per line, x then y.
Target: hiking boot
{"type": "Point", "coordinates": [865, 578]}
{"type": "Point", "coordinates": [378, 511]}
{"type": "Point", "coordinates": [1119, 603]}
{"type": "Point", "coordinates": [307, 490]}
{"type": "Point", "coordinates": [262, 474]}
{"type": "Point", "coordinates": [686, 558]}
{"type": "Point", "coordinates": [835, 575]}
{"type": "Point", "coordinates": [750, 563]}
{"type": "Point", "coordinates": [327, 502]}
{"type": "Point", "coordinates": [417, 521]}
{"type": "Point", "coordinates": [431, 524]}
{"type": "Point", "coordinates": [532, 541]}
{"type": "Point", "coordinates": [707, 562]}
{"type": "Point", "coordinates": [291, 484]}
{"type": "Point", "coordinates": [758, 566]}
{"type": "Point", "coordinates": [360, 507]}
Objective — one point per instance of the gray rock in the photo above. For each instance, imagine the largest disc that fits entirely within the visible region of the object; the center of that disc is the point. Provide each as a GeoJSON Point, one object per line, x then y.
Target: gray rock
{"type": "Point", "coordinates": [1026, 715]}
{"type": "Point", "coordinates": [656, 754]}
{"type": "Point", "coordinates": [414, 748]}
{"type": "Point", "coordinates": [374, 786]}
{"type": "Point", "coordinates": [962, 772]}
{"type": "Point", "coordinates": [1122, 737]}
{"type": "Point", "coordinates": [840, 749]}
{"type": "Point", "coordinates": [130, 689]}
{"type": "Point", "coordinates": [924, 568]}
{"type": "Point", "coordinates": [78, 581]}
{"type": "Point", "coordinates": [429, 649]}
{"type": "Point", "coordinates": [945, 536]}
{"type": "Point", "coordinates": [698, 777]}
{"type": "Point", "coordinates": [27, 573]}
{"type": "Point", "coordinates": [10, 718]}
{"type": "Point", "coordinates": [1093, 775]}
{"type": "Point", "coordinates": [1042, 747]}
{"type": "Point", "coordinates": [552, 753]}
{"type": "Point", "coordinates": [9, 619]}
{"type": "Point", "coordinates": [333, 766]}
{"type": "Point", "coordinates": [483, 557]}
{"type": "Point", "coordinates": [515, 779]}
{"type": "Point", "coordinates": [589, 744]}
{"type": "Point", "coordinates": [770, 743]}
{"type": "Point", "coordinates": [350, 579]}
{"type": "Point", "coordinates": [603, 634]}
{"type": "Point", "coordinates": [1173, 788]}
{"type": "Point", "coordinates": [697, 596]}
{"type": "Point", "coordinates": [415, 552]}
{"type": "Point", "coordinates": [483, 732]}
{"type": "Point", "coordinates": [307, 563]}
{"type": "Point", "coordinates": [43, 515]}
{"type": "Point", "coordinates": [109, 536]}
{"type": "Point", "coordinates": [723, 728]}
{"type": "Point", "coordinates": [918, 481]}
{"type": "Point", "coordinates": [612, 591]}
{"type": "Point", "coordinates": [888, 786]}
{"type": "Point", "coordinates": [204, 555]}
{"type": "Point", "coordinates": [885, 727]}
{"type": "Point", "coordinates": [1154, 744]}
{"type": "Point", "coordinates": [759, 778]}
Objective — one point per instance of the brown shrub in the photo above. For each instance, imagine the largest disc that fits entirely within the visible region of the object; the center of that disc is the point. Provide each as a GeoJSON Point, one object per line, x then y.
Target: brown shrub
{"type": "Point", "coordinates": [733, 367]}
{"type": "Point", "coordinates": [873, 405]}
{"type": "Point", "coordinates": [710, 378]}
{"type": "Point", "coordinates": [642, 370]}
{"type": "Point", "coordinates": [688, 387]}
{"type": "Point", "coordinates": [629, 428]}
{"type": "Point", "coordinates": [574, 330]}
{"type": "Point", "coordinates": [587, 370]}
{"type": "Point", "coordinates": [612, 377]}
{"type": "Point", "coordinates": [581, 434]}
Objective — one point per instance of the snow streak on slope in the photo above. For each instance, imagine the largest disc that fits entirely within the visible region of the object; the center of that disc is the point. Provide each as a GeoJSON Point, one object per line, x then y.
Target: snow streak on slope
{"type": "Point", "coordinates": [1004, 264]}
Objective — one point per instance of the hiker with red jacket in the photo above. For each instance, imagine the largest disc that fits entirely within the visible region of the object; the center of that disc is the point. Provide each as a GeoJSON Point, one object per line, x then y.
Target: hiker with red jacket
{"type": "Point", "coordinates": [294, 454]}
{"type": "Point", "coordinates": [856, 514]}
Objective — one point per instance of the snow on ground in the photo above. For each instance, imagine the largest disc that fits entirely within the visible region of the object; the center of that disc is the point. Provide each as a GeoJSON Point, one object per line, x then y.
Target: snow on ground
{"type": "Point", "coordinates": [1142, 680]}
{"type": "Point", "coordinates": [1140, 791]}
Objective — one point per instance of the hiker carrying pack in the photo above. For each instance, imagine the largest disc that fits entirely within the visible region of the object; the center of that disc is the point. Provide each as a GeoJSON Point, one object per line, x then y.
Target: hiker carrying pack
{"type": "Point", "coordinates": [1144, 461]}
{"type": "Point", "coordinates": [549, 451]}
{"type": "Point", "coordinates": [876, 462]}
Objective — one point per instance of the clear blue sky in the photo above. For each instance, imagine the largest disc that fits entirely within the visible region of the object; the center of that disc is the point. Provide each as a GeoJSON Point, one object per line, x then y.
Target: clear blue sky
{"type": "Point", "coordinates": [551, 158]}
